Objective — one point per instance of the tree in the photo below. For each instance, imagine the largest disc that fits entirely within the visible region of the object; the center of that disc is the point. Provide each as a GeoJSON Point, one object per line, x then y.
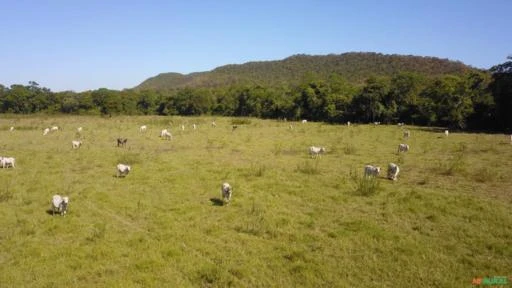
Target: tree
{"type": "Point", "coordinates": [501, 89]}
{"type": "Point", "coordinates": [368, 104]}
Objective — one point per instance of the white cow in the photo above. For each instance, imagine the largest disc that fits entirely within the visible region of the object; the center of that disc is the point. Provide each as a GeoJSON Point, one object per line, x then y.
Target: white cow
{"type": "Point", "coordinates": [166, 134]}
{"type": "Point", "coordinates": [54, 128]}
{"type": "Point", "coordinates": [407, 134]}
{"type": "Point", "coordinates": [11, 129]}
{"type": "Point", "coordinates": [304, 121]}
{"type": "Point", "coordinates": [143, 128]}
{"type": "Point", "coordinates": [393, 171]}
{"type": "Point", "coordinates": [348, 123]}
{"type": "Point", "coordinates": [7, 162]}
{"type": "Point", "coordinates": [79, 129]}
{"type": "Point", "coordinates": [182, 127]}
{"type": "Point", "coordinates": [123, 170]}
{"type": "Point", "coordinates": [316, 151]}
{"type": "Point", "coordinates": [60, 205]}
{"type": "Point", "coordinates": [403, 148]}
{"type": "Point", "coordinates": [76, 144]}
{"type": "Point", "coordinates": [194, 126]}
{"type": "Point", "coordinates": [446, 133]}
{"type": "Point", "coordinates": [213, 124]}
{"type": "Point", "coordinates": [371, 171]}
{"type": "Point", "coordinates": [46, 131]}
{"type": "Point", "coordinates": [227, 191]}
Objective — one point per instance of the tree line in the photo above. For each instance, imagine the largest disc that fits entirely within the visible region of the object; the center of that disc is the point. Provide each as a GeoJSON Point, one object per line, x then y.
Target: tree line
{"type": "Point", "coordinates": [476, 100]}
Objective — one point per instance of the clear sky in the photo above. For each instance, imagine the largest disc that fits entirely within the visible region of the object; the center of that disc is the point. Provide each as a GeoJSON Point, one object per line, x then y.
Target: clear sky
{"type": "Point", "coordinates": [83, 45]}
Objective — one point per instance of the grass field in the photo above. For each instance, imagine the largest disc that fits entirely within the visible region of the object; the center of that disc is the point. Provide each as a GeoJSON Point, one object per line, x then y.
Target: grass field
{"type": "Point", "coordinates": [293, 221]}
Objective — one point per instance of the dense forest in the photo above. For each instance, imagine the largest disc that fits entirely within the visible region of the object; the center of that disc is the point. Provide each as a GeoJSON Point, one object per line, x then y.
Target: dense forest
{"type": "Point", "coordinates": [370, 87]}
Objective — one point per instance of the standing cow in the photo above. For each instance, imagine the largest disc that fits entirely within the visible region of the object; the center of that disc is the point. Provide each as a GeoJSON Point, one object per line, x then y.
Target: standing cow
{"type": "Point", "coordinates": [227, 191]}
{"type": "Point", "coordinates": [60, 205]}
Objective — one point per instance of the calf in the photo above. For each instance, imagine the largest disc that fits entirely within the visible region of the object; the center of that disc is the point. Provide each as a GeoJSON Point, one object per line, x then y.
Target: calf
{"type": "Point", "coordinates": [46, 131]}
{"type": "Point", "coordinates": [407, 134]}
{"type": "Point", "coordinates": [143, 128]}
{"type": "Point", "coordinates": [393, 171]}
{"type": "Point", "coordinates": [76, 144]}
{"type": "Point", "coordinates": [121, 142]}
{"type": "Point", "coordinates": [60, 205]}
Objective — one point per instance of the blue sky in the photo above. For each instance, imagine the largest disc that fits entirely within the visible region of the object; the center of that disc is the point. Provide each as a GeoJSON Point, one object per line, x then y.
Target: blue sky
{"type": "Point", "coordinates": [84, 45]}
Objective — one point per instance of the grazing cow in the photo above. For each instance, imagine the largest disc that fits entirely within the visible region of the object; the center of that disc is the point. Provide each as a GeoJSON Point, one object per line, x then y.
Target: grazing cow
{"type": "Point", "coordinates": [213, 124]}
{"type": "Point", "coordinates": [401, 124]}
{"type": "Point", "coordinates": [7, 162]}
{"type": "Point", "coordinates": [166, 134]}
{"type": "Point", "coordinates": [407, 134]}
{"type": "Point", "coordinates": [121, 142]}
{"type": "Point", "coordinates": [11, 129]}
{"type": "Point", "coordinates": [393, 171]}
{"type": "Point", "coordinates": [60, 205]}
{"type": "Point", "coordinates": [54, 128]}
{"type": "Point", "coordinates": [227, 191]}
{"type": "Point", "coordinates": [316, 151]}
{"type": "Point", "coordinates": [143, 128]}
{"type": "Point", "coordinates": [304, 121]}
{"type": "Point", "coordinates": [403, 148]}
{"type": "Point", "coordinates": [446, 133]}
{"type": "Point", "coordinates": [123, 170]}
{"type": "Point", "coordinates": [376, 123]}
{"type": "Point", "coordinates": [46, 131]}
{"type": "Point", "coordinates": [371, 171]}
{"type": "Point", "coordinates": [76, 144]}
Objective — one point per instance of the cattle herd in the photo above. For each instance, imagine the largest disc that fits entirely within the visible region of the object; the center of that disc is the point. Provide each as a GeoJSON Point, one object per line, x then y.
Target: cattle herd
{"type": "Point", "coordinates": [59, 204]}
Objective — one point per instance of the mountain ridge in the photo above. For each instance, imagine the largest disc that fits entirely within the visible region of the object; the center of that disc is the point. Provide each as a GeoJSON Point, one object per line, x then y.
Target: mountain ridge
{"type": "Point", "coordinates": [356, 67]}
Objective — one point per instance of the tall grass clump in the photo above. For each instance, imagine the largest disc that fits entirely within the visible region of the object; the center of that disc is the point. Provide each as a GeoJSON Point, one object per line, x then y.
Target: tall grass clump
{"type": "Point", "coordinates": [456, 164]}
{"type": "Point", "coordinates": [364, 185]}
{"type": "Point", "coordinates": [241, 121]}
{"type": "Point", "coordinates": [349, 149]}
{"type": "Point", "coordinates": [307, 167]}
{"type": "Point", "coordinates": [129, 158]}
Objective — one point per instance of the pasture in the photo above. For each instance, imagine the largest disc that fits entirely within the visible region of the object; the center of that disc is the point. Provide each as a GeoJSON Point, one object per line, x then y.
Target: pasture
{"type": "Point", "coordinates": [293, 221]}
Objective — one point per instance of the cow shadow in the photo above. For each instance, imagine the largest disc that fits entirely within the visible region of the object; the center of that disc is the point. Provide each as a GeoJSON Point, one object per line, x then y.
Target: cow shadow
{"type": "Point", "coordinates": [217, 202]}
{"type": "Point", "coordinates": [50, 212]}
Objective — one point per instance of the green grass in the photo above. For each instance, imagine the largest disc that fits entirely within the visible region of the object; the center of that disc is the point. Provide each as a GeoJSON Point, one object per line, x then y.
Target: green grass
{"type": "Point", "coordinates": [293, 221]}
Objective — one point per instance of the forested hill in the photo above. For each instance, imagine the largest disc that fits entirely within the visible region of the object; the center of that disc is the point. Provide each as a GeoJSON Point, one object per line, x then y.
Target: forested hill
{"type": "Point", "coordinates": [356, 67]}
